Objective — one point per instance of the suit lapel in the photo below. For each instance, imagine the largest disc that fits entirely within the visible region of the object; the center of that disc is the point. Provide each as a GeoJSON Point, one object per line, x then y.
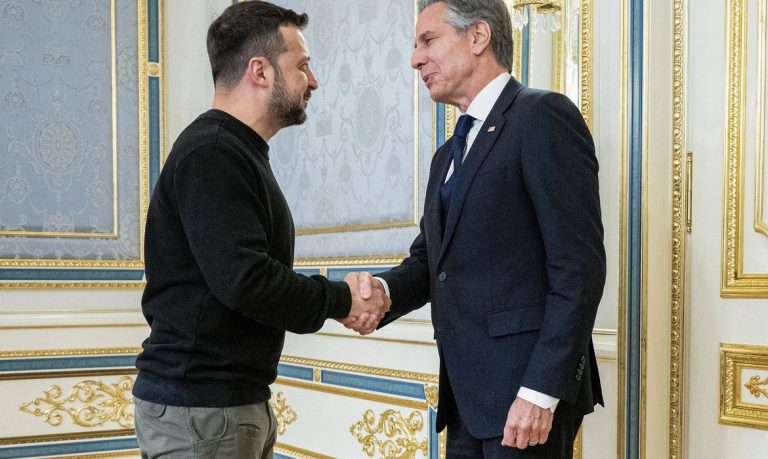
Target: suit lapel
{"type": "Point", "coordinates": [433, 217]}
{"type": "Point", "coordinates": [475, 158]}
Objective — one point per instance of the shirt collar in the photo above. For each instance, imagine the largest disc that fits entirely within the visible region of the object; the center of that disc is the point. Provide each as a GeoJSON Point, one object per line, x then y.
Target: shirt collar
{"type": "Point", "coordinates": [482, 104]}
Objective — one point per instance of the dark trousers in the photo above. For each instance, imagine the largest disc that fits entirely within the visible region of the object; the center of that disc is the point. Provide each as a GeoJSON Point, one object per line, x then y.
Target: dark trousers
{"type": "Point", "coordinates": [559, 445]}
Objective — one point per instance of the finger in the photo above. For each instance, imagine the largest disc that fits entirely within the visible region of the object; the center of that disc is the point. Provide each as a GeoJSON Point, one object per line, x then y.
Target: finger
{"type": "Point", "coordinates": [370, 325]}
{"type": "Point", "coordinates": [364, 285]}
{"type": "Point", "coordinates": [347, 320]}
{"type": "Point", "coordinates": [509, 437]}
{"type": "Point", "coordinates": [523, 435]}
{"type": "Point", "coordinates": [543, 427]}
{"type": "Point", "coordinates": [359, 322]}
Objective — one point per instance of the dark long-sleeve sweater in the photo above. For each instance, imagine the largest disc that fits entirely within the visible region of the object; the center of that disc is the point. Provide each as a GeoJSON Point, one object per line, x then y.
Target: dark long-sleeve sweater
{"type": "Point", "coordinates": [220, 288]}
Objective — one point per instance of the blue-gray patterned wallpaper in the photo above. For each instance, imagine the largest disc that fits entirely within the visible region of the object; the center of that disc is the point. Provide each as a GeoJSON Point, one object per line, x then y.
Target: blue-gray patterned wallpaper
{"type": "Point", "coordinates": [352, 164]}
{"type": "Point", "coordinates": [58, 164]}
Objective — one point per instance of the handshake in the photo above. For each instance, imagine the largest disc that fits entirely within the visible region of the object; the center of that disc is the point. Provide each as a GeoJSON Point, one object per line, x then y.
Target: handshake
{"type": "Point", "coordinates": [369, 303]}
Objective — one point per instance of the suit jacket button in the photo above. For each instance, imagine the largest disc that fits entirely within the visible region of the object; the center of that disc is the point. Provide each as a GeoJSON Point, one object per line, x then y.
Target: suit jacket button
{"type": "Point", "coordinates": [442, 276]}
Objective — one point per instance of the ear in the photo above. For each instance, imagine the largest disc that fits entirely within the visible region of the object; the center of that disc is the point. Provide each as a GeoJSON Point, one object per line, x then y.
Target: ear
{"type": "Point", "coordinates": [260, 72]}
{"type": "Point", "coordinates": [481, 37]}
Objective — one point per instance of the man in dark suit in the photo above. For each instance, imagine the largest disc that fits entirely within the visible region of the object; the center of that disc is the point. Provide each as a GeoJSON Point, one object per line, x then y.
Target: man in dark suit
{"type": "Point", "coordinates": [510, 252]}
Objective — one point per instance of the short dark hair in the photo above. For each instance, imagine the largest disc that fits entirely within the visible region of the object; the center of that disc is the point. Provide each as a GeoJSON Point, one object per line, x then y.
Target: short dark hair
{"type": "Point", "coordinates": [462, 14]}
{"type": "Point", "coordinates": [245, 30]}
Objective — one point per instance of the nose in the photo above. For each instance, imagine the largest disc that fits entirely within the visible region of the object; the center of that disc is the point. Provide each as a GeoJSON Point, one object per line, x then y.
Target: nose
{"type": "Point", "coordinates": [417, 58]}
{"type": "Point", "coordinates": [311, 80]}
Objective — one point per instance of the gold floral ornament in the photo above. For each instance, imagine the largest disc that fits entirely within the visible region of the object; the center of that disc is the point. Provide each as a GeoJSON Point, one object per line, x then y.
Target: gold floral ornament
{"type": "Point", "coordinates": [432, 395]}
{"type": "Point", "coordinates": [402, 432]}
{"type": "Point", "coordinates": [754, 386]}
{"type": "Point", "coordinates": [89, 404]}
{"type": "Point", "coordinates": [284, 414]}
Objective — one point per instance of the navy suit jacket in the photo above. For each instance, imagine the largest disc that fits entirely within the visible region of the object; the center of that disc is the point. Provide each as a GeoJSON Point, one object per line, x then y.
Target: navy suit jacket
{"type": "Point", "coordinates": [516, 275]}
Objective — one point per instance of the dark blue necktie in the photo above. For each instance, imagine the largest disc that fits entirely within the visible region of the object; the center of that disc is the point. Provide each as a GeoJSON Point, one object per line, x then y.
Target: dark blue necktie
{"type": "Point", "coordinates": [457, 152]}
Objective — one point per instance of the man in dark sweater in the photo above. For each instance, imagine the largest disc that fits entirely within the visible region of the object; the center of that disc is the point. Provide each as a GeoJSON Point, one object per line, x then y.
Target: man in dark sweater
{"type": "Point", "coordinates": [219, 250]}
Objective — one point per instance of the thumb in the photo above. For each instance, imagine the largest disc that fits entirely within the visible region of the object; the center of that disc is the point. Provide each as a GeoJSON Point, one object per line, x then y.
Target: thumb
{"type": "Point", "coordinates": [364, 285]}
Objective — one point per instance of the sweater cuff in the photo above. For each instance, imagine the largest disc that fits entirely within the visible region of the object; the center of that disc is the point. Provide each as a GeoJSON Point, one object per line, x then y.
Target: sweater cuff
{"type": "Point", "coordinates": [341, 303]}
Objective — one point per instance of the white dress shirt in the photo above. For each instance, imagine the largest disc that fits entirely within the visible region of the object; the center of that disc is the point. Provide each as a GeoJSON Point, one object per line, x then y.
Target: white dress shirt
{"type": "Point", "coordinates": [479, 109]}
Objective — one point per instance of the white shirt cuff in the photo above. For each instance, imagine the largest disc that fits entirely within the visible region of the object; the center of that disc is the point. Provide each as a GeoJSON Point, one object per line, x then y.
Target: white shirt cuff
{"type": "Point", "coordinates": [537, 398]}
{"type": "Point", "coordinates": [383, 283]}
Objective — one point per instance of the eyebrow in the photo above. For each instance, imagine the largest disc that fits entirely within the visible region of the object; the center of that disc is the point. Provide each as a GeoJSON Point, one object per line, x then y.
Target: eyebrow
{"type": "Point", "coordinates": [423, 37]}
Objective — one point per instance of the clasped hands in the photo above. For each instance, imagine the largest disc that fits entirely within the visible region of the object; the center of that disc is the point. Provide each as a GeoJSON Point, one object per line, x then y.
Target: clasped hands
{"type": "Point", "coordinates": [369, 303]}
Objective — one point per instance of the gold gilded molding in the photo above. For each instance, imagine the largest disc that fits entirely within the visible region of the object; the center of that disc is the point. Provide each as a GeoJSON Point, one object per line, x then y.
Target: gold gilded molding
{"type": "Point", "coordinates": [124, 453]}
{"type": "Point", "coordinates": [578, 444]}
{"type": "Point", "coordinates": [621, 355]}
{"type": "Point", "coordinates": [284, 414]}
{"type": "Point", "coordinates": [432, 395]}
{"type": "Point", "coordinates": [360, 395]}
{"type": "Point", "coordinates": [735, 283]}
{"type": "Point", "coordinates": [442, 444]}
{"type": "Point", "coordinates": [362, 369]}
{"type": "Point", "coordinates": [143, 45]}
{"type": "Point", "coordinates": [757, 386]}
{"type": "Point", "coordinates": [299, 453]}
{"type": "Point", "coordinates": [392, 437]}
{"type": "Point", "coordinates": [586, 61]}
{"type": "Point", "coordinates": [29, 439]}
{"type": "Point", "coordinates": [90, 403]}
{"type": "Point", "coordinates": [679, 204]}
{"type": "Point", "coordinates": [373, 338]}
{"type": "Point", "coordinates": [517, 57]}
{"type": "Point", "coordinates": [163, 90]}
{"type": "Point", "coordinates": [451, 118]}
{"type": "Point", "coordinates": [51, 327]}
{"type": "Point", "coordinates": [735, 360]}
{"type": "Point", "coordinates": [24, 263]}
{"type": "Point", "coordinates": [759, 225]}
{"type": "Point", "coordinates": [343, 262]}
{"type": "Point", "coordinates": [66, 374]}
{"type": "Point", "coordinates": [316, 375]}
{"type": "Point", "coordinates": [557, 57]}
{"type": "Point", "coordinates": [70, 352]}
{"type": "Point", "coordinates": [72, 285]}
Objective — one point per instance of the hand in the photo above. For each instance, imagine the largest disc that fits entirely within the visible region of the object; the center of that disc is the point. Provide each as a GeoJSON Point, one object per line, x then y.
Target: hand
{"type": "Point", "coordinates": [369, 303]}
{"type": "Point", "coordinates": [527, 425]}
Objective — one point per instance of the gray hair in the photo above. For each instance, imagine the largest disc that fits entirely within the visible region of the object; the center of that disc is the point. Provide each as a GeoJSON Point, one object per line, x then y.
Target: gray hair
{"type": "Point", "coordinates": [462, 14]}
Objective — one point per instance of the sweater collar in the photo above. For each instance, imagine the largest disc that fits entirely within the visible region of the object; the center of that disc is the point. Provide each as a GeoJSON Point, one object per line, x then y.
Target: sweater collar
{"type": "Point", "coordinates": [241, 129]}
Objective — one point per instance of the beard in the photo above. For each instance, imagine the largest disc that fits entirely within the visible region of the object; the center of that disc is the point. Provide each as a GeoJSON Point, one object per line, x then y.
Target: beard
{"type": "Point", "coordinates": [285, 106]}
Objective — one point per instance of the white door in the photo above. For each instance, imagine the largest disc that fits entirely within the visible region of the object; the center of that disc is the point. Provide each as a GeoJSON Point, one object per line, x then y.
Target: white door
{"type": "Point", "coordinates": [726, 381]}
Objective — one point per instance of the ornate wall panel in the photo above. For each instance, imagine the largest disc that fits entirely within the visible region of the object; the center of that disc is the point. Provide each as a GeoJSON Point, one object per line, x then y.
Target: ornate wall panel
{"type": "Point", "coordinates": [677, 311]}
{"type": "Point", "coordinates": [354, 165]}
{"type": "Point", "coordinates": [82, 397]}
{"type": "Point", "coordinates": [745, 241]}
{"type": "Point", "coordinates": [354, 174]}
{"type": "Point", "coordinates": [79, 83]}
{"type": "Point", "coordinates": [79, 397]}
{"type": "Point", "coordinates": [744, 385]}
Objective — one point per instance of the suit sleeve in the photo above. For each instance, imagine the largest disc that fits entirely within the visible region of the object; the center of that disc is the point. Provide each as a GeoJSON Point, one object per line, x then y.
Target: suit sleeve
{"type": "Point", "coordinates": [561, 175]}
{"type": "Point", "coordinates": [226, 220]}
{"type": "Point", "coordinates": [409, 282]}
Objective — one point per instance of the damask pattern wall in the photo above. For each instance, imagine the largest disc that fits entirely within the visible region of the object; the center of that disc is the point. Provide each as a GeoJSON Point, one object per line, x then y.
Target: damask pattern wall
{"type": "Point", "coordinates": [69, 140]}
{"type": "Point", "coordinates": [355, 172]}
